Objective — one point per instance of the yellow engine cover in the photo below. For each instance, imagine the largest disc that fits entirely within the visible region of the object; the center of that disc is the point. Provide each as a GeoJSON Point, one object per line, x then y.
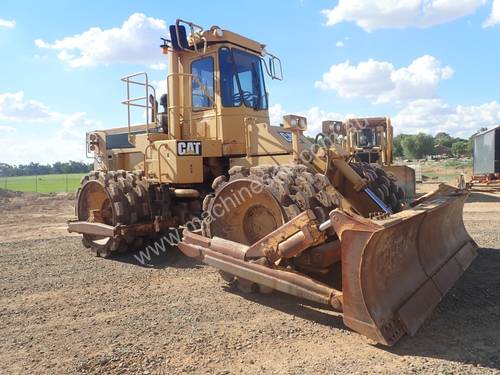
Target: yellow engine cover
{"type": "Point", "coordinates": [180, 161]}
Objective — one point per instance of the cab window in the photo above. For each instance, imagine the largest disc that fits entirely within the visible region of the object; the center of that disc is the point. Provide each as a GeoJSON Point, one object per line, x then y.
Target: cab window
{"type": "Point", "coordinates": [202, 83]}
{"type": "Point", "coordinates": [242, 79]}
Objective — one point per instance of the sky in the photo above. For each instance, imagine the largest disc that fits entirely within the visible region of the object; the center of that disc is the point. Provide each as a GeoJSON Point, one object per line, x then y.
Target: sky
{"type": "Point", "coordinates": [431, 65]}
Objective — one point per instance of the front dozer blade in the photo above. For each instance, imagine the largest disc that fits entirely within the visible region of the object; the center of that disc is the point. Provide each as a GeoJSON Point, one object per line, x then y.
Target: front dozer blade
{"type": "Point", "coordinates": [396, 270]}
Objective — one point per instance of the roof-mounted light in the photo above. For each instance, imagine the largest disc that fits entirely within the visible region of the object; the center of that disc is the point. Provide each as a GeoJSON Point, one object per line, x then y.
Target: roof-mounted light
{"type": "Point", "coordinates": [218, 32]}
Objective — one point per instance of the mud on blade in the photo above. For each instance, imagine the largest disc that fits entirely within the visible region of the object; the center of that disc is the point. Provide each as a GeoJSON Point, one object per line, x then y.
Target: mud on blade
{"type": "Point", "coordinates": [395, 271]}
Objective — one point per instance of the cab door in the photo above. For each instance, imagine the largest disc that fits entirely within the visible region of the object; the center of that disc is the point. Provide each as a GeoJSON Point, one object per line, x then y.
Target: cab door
{"type": "Point", "coordinates": [201, 112]}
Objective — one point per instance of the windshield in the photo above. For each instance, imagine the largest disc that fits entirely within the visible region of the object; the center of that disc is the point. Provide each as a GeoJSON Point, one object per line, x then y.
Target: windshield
{"type": "Point", "coordinates": [242, 80]}
{"type": "Point", "coordinates": [366, 138]}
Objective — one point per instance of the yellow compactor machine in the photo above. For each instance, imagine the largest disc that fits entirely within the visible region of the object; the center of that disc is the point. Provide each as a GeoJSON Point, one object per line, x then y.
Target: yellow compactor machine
{"type": "Point", "coordinates": [268, 208]}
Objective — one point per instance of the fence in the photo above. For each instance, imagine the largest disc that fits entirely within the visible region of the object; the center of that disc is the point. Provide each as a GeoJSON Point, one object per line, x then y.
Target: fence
{"type": "Point", "coordinates": [51, 183]}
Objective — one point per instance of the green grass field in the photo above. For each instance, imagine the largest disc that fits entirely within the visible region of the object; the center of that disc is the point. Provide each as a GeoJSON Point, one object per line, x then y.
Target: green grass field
{"type": "Point", "coordinates": [51, 183]}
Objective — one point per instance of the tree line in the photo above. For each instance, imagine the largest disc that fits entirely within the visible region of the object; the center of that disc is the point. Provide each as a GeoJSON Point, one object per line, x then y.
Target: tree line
{"type": "Point", "coordinates": [39, 169]}
{"type": "Point", "coordinates": [418, 146]}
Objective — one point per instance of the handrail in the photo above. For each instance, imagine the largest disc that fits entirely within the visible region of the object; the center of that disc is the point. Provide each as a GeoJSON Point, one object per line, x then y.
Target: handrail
{"type": "Point", "coordinates": [159, 161]}
{"type": "Point", "coordinates": [132, 102]}
{"type": "Point", "coordinates": [247, 124]}
{"type": "Point", "coordinates": [190, 123]}
{"type": "Point", "coordinates": [146, 159]}
{"type": "Point", "coordinates": [190, 108]}
{"type": "Point", "coordinates": [202, 86]}
{"type": "Point", "coordinates": [194, 34]}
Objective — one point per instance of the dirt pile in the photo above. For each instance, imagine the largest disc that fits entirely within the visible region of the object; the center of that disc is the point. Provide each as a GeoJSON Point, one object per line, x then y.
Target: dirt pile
{"type": "Point", "coordinates": [33, 215]}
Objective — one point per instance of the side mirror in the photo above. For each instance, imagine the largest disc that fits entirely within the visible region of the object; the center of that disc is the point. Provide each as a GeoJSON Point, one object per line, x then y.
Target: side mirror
{"type": "Point", "coordinates": [273, 67]}
{"type": "Point", "coordinates": [275, 63]}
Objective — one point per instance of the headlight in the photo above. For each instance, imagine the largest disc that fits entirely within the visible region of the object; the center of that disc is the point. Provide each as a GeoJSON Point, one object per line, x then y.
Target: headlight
{"type": "Point", "coordinates": [294, 122]}
{"type": "Point", "coordinates": [302, 123]}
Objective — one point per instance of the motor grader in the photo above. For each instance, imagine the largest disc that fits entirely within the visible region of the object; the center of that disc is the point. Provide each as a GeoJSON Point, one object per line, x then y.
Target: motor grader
{"type": "Point", "coordinates": [271, 210]}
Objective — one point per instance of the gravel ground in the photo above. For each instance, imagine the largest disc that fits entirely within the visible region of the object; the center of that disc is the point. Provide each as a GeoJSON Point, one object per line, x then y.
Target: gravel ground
{"type": "Point", "coordinates": [64, 311]}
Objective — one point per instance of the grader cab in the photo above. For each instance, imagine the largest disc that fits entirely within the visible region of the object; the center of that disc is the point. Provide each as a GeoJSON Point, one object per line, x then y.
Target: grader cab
{"type": "Point", "coordinates": [264, 205]}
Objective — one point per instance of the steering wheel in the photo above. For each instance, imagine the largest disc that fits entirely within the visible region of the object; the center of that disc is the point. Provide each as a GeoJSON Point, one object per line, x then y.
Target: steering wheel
{"type": "Point", "coordinates": [246, 95]}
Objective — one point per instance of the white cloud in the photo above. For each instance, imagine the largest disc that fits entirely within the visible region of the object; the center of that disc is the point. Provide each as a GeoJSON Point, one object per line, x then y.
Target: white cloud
{"type": "Point", "coordinates": [339, 44]}
{"type": "Point", "coordinates": [379, 14]}
{"type": "Point", "coordinates": [422, 115]}
{"type": "Point", "coordinates": [7, 24]}
{"type": "Point", "coordinates": [368, 78]}
{"type": "Point", "coordinates": [494, 17]}
{"type": "Point", "coordinates": [14, 107]}
{"type": "Point", "coordinates": [276, 113]}
{"type": "Point", "coordinates": [382, 82]}
{"type": "Point", "coordinates": [7, 129]}
{"type": "Point", "coordinates": [63, 133]}
{"type": "Point", "coordinates": [419, 80]}
{"type": "Point", "coordinates": [158, 66]}
{"type": "Point", "coordinates": [135, 42]}
{"type": "Point", "coordinates": [435, 115]}
{"type": "Point", "coordinates": [55, 146]}
{"type": "Point", "coordinates": [74, 120]}
{"type": "Point", "coordinates": [160, 87]}
{"type": "Point", "coordinates": [316, 116]}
